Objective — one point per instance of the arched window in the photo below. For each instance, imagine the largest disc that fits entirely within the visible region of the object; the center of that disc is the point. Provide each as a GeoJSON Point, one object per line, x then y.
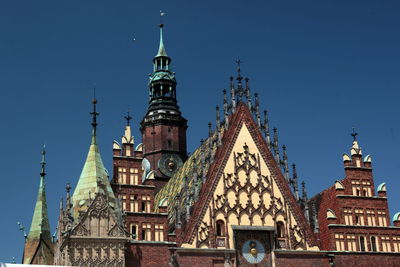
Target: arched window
{"type": "Point", "coordinates": [362, 243]}
{"type": "Point", "coordinates": [373, 243]}
{"type": "Point", "coordinates": [220, 228]}
{"type": "Point", "coordinates": [280, 229]}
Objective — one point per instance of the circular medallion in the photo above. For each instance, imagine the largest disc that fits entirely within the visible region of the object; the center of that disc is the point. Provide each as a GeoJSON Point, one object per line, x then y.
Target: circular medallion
{"type": "Point", "coordinates": [253, 251]}
{"type": "Point", "coordinates": [169, 164]}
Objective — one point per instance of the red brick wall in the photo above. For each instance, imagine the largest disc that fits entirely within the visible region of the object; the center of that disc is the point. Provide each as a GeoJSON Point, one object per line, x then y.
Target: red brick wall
{"type": "Point", "coordinates": [366, 260]}
{"type": "Point", "coordinates": [148, 255]}
{"type": "Point", "coordinates": [301, 260]}
{"type": "Point", "coordinates": [195, 259]}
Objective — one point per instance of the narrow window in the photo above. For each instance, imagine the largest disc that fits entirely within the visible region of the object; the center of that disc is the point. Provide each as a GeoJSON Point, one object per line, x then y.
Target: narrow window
{"type": "Point", "coordinates": [220, 228]}
{"type": "Point", "coordinates": [280, 230]}
{"type": "Point", "coordinates": [373, 243]}
{"type": "Point", "coordinates": [143, 206]}
{"type": "Point", "coordinates": [134, 231]}
{"type": "Point", "coordinates": [362, 243]}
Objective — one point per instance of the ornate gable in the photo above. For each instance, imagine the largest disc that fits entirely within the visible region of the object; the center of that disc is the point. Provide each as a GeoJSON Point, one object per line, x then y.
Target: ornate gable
{"type": "Point", "coordinates": [97, 239]}
{"type": "Point", "coordinates": [245, 189]}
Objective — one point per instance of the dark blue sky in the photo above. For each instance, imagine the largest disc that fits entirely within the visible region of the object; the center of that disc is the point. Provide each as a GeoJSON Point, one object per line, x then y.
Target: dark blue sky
{"type": "Point", "coordinates": [320, 67]}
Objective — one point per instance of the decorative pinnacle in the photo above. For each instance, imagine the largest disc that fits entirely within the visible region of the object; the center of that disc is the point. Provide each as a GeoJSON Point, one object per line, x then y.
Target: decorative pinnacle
{"type": "Point", "coordinates": [43, 162]}
{"type": "Point", "coordinates": [354, 134]}
{"type": "Point", "coordinates": [94, 113]}
{"type": "Point", "coordinates": [239, 77]}
{"type": "Point", "coordinates": [128, 118]}
{"type": "Point", "coordinates": [68, 187]}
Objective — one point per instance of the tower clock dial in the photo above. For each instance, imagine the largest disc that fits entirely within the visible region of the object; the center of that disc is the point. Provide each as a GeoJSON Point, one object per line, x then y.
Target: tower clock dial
{"type": "Point", "coordinates": [253, 251]}
{"type": "Point", "coordinates": [168, 164]}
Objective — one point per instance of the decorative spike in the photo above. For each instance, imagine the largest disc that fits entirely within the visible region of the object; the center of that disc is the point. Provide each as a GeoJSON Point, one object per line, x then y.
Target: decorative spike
{"type": "Point", "coordinates": [257, 110]}
{"type": "Point", "coordinates": [178, 222]}
{"type": "Point", "coordinates": [226, 119]}
{"type": "Point", "coordinates": [43, 162]}
{"type": "Point", "coordinates": [305, 201]}
{"type": "Point", "coordinates": [303, 188]}
{"type": "Point", "coordinates": [233, 96]}
{"type": "Point", "coordinates": [209, 129]}
{"type": "Point", "coordinates": [248, 95]}
{"type": "Point", "coordinates": [285, 163]}
{"type": "Point", "coordinates": [22, 229]}
{"type": "Point", "coordinates": [315, 218]}
{"type": "Point", "coordinates": [94, 114]}
{"type": "Point", "coordinates": [217, 118]}
{"type": "Point", "coordinates": [187, 198]}
{"type": "Point", "coordinates": [295, 183]}
{"type": "Point", "coordinates": [266, 130]}
{"type": "Point", "coordinates": [218, 126]}
{"type": "Point", "coordinates": [195, 180]}
{"type": "Point", "coordinates": [275, 145]}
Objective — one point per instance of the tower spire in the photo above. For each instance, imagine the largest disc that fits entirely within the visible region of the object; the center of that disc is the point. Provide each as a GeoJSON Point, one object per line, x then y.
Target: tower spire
{"type": "Point", "coordinates": [93, 170]}
{"type": "Point", "coordinates": [161, 48]}
{"type": "Point", "coordinates": [40, 227]}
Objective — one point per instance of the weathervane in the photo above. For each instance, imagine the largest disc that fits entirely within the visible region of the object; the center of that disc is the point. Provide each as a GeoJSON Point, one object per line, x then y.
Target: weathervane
{"type": "Point", "coordinates": [128, 118]}
{"type": "Point", "coordinates": [161, 15]}
{"type": "Point", "coordinates": [354, 134]}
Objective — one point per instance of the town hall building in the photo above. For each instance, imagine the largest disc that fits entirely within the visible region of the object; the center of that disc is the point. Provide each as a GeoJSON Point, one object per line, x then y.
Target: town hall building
{"type": "Point", "coordinates": [234, 201]}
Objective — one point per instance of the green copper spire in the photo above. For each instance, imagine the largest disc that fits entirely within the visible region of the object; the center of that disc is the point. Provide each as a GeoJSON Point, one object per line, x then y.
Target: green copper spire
{"type": "Point", "coordinates": [40, 222]}
{"type": "Point", "coordinates": [161, 48]}
{"type": "Point", "coordinates": [40, 227]}
{"type": "Point", "coordinates": [94, 177]}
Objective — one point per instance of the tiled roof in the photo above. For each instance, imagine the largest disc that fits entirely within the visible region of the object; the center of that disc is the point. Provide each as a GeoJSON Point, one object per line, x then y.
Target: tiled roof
{"type": "Point", "coordinates": [177, 191]}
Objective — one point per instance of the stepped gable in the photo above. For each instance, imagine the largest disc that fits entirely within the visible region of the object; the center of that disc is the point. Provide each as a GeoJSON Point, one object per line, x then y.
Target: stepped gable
{"type": "Point", "coordinates": [241, 117]}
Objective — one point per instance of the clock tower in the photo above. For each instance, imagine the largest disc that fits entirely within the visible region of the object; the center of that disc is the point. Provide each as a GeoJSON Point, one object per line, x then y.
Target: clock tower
{"type": "Point", "coordinates": [163, 127]}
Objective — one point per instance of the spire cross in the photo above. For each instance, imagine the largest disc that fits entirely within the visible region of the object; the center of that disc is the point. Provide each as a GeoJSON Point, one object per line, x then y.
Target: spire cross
{"type": "Point", "coordinates": [43, 162]}
{"type": "Point", "coordinates": [128, 118]}
{"type": "Point", "coordinates": [354, 134]}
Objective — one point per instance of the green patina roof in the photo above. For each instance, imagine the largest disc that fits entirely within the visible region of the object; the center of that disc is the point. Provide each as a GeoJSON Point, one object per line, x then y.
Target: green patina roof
{"type": "Point", "coordinates": [88, 181]}
{"type": "Point", "coordinates": [40, 221]}
{"type": "Point", "coordinates": [161, 48]}
{"type": "Point", "coordinates": [40, 226]}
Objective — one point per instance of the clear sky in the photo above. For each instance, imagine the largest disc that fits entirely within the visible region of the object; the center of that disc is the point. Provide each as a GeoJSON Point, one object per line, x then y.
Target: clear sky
{"type": "Point", "coordinates": [320, 67]}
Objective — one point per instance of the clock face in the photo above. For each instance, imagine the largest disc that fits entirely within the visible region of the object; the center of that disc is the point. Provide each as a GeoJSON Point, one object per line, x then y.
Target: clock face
{"type": "Point", "coordinates": [253, 251]}
{"type": "Point", "coordinates": [169, 164]}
